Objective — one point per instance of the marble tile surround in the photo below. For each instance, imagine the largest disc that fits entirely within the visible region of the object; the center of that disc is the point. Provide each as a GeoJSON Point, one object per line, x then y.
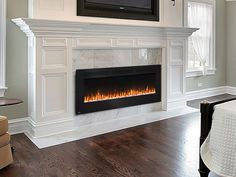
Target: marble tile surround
{"type": "Point", "coordinates": [97, 58]}
{"type": "Point", "coordinates": [85, 59]}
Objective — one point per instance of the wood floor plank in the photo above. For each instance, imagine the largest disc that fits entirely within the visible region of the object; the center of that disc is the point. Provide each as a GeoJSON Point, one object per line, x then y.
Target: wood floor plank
{"type": "Point", "coordinates": [167, 148]}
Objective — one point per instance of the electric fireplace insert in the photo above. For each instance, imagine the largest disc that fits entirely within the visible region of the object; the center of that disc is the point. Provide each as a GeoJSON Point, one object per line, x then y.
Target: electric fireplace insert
{"type": "Point", "coordinates": [109, 88]}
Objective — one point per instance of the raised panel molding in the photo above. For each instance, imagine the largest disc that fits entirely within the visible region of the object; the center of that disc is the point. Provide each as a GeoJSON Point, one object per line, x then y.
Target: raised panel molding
{"type": "Point", "coordinates": [177, 53]}
{"type": "Point", "coordinates": [54, 57]}
{"type": "Point", "coordinates": [93, 43]}
{"type": "Point", "coordinates": [176, 72]}
{"type": "Point", "coordinates": [51, 5]}
{"type": "Point", "coordinates": [176, 84]}
{"type": "Point", "coordinates": [54, 94]}
{"type": "Point", "coordinates": [109, 43]}
{"type": "Point", "coordinates": [54, 42]}
{"type": "Point", "coordinates": [127, 43]}
{"type": "Point", "coordinates": [52, 9]}
{"type": "Point", "coordinates": [150, 43]}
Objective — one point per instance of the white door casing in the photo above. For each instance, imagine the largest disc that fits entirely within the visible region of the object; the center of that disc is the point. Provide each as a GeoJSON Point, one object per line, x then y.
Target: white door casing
{"type": "Point", "coordinates": [2, 47]}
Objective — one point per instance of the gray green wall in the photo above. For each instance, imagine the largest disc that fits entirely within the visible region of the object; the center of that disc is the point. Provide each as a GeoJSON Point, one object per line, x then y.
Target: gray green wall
{"type": "Point", "coordinates": [219, 78]}
{"type": "Point", "coordinates": [231, 43]}
{"type": "Point", "coordinates": [16, 61]}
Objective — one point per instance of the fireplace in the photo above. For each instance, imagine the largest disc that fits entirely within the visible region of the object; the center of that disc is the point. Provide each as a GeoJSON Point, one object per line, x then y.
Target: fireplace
{"type": "Point", "coordinates": [109, 88]}
{"type": "Point", "coordinates": [53, 47]}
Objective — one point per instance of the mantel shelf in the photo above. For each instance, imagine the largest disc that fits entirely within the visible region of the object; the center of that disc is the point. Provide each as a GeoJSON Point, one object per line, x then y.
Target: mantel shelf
{"type": "Point", "coordinates": [41, 27]}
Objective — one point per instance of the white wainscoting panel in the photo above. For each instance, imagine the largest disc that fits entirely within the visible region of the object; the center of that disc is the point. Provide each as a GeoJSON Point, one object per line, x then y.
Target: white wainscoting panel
{"type": "Point", "coordinates": [54, 42]}
{"type": "Point", "coordinates": [176, 84]}
{"type": "Point", "coordinates": [54, 94]}
{"type": "Point", "coordinates": [53, 78]}
{"type": "Point", "coordinates": [54, 58]}
{"type": "Point", "coordinates": [127, 43]}
{"type": "Point", "coordinates": [51, 5]}
{"type": "Point", "coordinates": [93, 43]}
{"type": "Point", "coordinates": [176, 66]}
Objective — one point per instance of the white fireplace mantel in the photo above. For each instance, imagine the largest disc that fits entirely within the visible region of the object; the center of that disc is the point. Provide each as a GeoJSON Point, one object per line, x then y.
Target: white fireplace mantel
{"type": "Point", "coordinates": [41, 27]}
{"type": "Point", "coordinates": [50, 47]}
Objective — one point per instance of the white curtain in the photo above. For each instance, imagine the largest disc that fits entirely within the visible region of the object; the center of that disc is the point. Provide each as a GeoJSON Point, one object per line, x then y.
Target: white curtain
{"type": "Point", "coordinates": [200, 15]}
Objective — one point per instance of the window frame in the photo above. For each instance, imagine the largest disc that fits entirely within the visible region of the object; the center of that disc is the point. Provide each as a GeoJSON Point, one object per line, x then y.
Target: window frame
{"type": "Point", "coordinates": [2, 47]}
{"type": "Point", "coordinates": [192, 72]}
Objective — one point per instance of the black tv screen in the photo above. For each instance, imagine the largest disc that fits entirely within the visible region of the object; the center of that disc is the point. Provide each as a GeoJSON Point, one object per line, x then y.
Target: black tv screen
{"type": "Point", "coordinates": [124, 9]}
{"type": "Point", "coordinates": [147, 4]}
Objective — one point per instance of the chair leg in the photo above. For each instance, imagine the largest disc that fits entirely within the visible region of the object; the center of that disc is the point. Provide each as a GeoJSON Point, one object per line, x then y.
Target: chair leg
{"type": "Point", "coordinates": [12, 149]}
{"type": "Point", "coordinates": [203, 170]}
{"type": "Point", "coordinates": [204, 174]}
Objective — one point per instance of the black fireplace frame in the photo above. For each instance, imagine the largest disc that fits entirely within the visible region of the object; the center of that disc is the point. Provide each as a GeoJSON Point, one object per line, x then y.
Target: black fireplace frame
{"type": "Point", "coordinates": [81, 75]}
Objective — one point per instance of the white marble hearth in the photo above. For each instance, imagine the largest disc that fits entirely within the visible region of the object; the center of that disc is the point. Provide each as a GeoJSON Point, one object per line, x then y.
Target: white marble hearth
{"type": "Point", "coordinates": [57, 48]}
{"type": "Point", "coordinates": [108, 126]}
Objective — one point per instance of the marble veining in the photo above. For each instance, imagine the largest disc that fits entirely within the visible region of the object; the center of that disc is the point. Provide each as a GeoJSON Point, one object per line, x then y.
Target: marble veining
{"type": "Point", "coordinates": [104, 58]}
{"type": "Point", "coordinates": [99, 58]}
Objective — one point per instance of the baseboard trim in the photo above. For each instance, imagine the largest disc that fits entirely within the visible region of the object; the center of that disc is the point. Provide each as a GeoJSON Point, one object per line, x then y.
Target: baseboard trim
{"type": "Point", "coordinates": [231, 90]}
{"type": "Point", "coordinates": [176, 104]}
{"type": "Point", "coordinates": [2, 91]}
{"type": "Point", "coordinates": [24, 125]}
{"type": "Point", "coordinates": [198, 94]}
{"type": "Point", "coordinates": [16, 126]}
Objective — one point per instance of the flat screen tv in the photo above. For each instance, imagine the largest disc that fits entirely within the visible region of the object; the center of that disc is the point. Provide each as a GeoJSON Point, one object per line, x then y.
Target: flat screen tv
{"type": "Point", "coordinates": [123, 9]}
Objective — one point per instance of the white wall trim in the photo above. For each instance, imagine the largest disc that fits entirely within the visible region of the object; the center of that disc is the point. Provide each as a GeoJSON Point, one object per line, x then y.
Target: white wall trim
{"type": "Point", "coordinates": [193, 72]}
{"type": "Point", "coordinates": [2, 46]}
{"type": "Point", "coordinates": [198, 94]}
{"type": "Point", "coordinates": [16, 126]}
{"type": "Point", "coordinates": [2, 91]}
{"type": "Point", "coordinates": [231, 90]}
{"type": "Point", "coordinates": [24, 125]}
{"type": "Point", "coordinates": [199, 72]}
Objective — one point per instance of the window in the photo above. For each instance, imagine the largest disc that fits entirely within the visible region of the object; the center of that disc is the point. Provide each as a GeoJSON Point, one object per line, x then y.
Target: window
{"type": "Point", "coordinates": [2, 46]}
{"type": "Point", "coordinates": [201, 45]}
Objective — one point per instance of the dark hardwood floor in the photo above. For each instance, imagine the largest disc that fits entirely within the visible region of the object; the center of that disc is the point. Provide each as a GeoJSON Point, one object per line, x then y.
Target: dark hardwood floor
{"type": "Point", "coordinates": [167, 148]}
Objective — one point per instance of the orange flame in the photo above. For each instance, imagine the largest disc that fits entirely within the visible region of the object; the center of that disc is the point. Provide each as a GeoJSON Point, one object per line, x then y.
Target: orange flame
{"type": "Point", "coordinates": [98, 96]}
